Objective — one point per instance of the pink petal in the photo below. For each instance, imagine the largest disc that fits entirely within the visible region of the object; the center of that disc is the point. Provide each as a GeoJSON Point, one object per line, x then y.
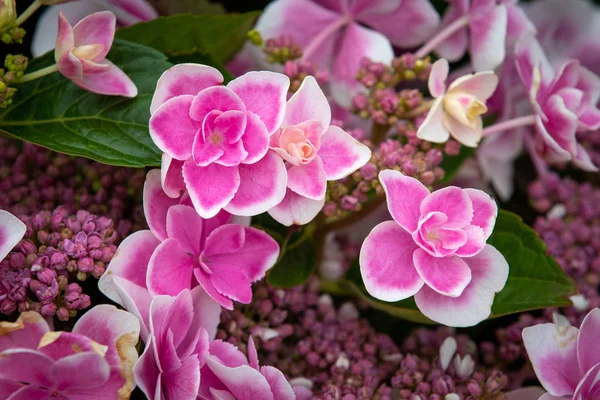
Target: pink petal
{"type": "Point", "coordinates": [341, 154]}
{"type": "Point", "coordinates": [582, 160]}
{"type": "Point", "coordinates": [588, 352]}
{"type": "Point", "coordinates": [146, 372]}
{"type": "Point", "coordinates": [357, 42]}
{"type": "Point", "coordinates": [308, 180]}
{"type": "Point", "coordinates": [210, 188]}
{"type": "Point", "coordinates": [588, 386]}
{"type": "Point", "coordinates": [184, 382]}
{"type": "Point", "coordinates": [230, 281]}
{"type": "Point", "coordinates": [265, 94]}
{"type": "Point", "coordinates": [448, 276]}
{"type": "Point", "coordinates": [219, 140]}
{"type": "Point", "coordinates": [172, 129]}
{"type": "Point", "coordinates": [227, 354]}
{"type": "Point", "coordinates": [453, 202]}
{"type": "Point", "coordinates": [437, 77]}
{"type": "Point", "coordinates": [215, 98]}
{"type": "Point", "coordinates": [111, 81]}
{"type": "Point", "coordinates": [206, 313]}
{"type": "Point", "coordinates": [280, 387]}
{"type": "Point", "coordinates": [185, 225]}
{"type": "Point", "coordinates": [78, 370]}
{"type": "Point", "coordinates": [562, 123]}
{"type": "Point", "coordinates": [30, 393]}
{"type": "Point", "coordinates": [529, 56]}
{"type": "Point", "coordinates": [404, 197]}
{"type": "Point", "coordinates": [156, 204]}
{"type": "Point", "coordinates": [136, 300]}
{"type": "Point", "coordinates": [65, 40]}
{"type": "Point", "coordinates": [97, 28]}
{"type": "Point", "coordinates": [27, 366]}
{"type": "Point", "coordinates": [488, 37]}
{"type": "Point", "coordinates": [12, 229]}
{"type": "Point", "coordinates": [244, 382]}
{"type": "Point", "coordinates": [407, 25]}
{"type": "Point", "coordinates": [433, 128]}
{"type": "Point", "coordinates": [256, 139]}
{"type": "Point", "coordinates": [489, 271]}
{"type": "Point", "coordinates": [204, 281]}
{"type": "Point", "coordinates": [485, 210]}
{"type": "Point", "coordinates": [482, 85]}
{"type": "Point", "coordinates": [170, 269]}
{"type": "Point", "coordinates": [526, 393]}
{"type": "Point", "coordinates": [71, 67]}
{"type": "Point", "coordinates": [295, 209]}
{"type": "Point", "coordinates": [475, 241]}
{"type": "Point", "coordinates": [386, 263]}
{"type": "Point", "coordinates": [171, 176]}
{"type": "Point", "coordinates": [224, 240]}
{"type": "Point", "coordinates": [7, 388]}
{"type": "Point", "coordinates": [466, 135]}
{"type": "Point", "coordinates": [262, 186]}
{"type": "Point", "coordinates": [26, 332]}
{"type": "Point", "coordinates": [183, 79]}
{"type": "Point", "coordinates": [553, 353]}
{"type": "Point", "coordinates": [309, 102]}
{"type": "Point", "coordinates": [456, 45]}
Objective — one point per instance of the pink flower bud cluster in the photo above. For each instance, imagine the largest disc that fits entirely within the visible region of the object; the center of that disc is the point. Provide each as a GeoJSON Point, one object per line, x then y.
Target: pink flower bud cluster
{"type": "Point", "coordinates": [282, 49]}
{"type": "Point", "coordinates": [59, 250]}
{"type": "Point", "coordinates": [298, 70]}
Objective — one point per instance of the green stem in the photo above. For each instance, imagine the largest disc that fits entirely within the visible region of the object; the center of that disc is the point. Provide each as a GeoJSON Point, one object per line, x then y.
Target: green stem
{"type": "Point", "coordinates": [37, 74]}
{"type": "Point", "coordinates": [29, 12]}
{"type": "Point", "coordinates": [379, 132]}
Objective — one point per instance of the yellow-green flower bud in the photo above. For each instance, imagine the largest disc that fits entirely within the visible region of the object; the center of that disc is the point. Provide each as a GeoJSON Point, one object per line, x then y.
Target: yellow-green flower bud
{"type": "Point", "coordinates": [8, 14]}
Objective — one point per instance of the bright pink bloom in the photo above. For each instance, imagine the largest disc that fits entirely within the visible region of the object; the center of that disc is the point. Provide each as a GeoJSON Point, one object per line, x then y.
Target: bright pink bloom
{"type": "Point", "coordinates": [128, 12]}
{"type": "Point", "coordinates": [314, 151]}
{"type": "Point", "coordinates": [182, 250]}
{"type": "Point", "coordinates": [81, 55]}
{"type": "Point", "coordinates": [435, 249]}
{"type": "Point", "coordinates": [563, 103]}
{"type": "Point", "coordinates": [457, 111]}
{"type": "Point", "coordinates": [97, 356]}
{"type": "Point", "coordinates": [216, 138]}
{"type": "Point", "coordinates": [565, 359]}
{"type": "Point", "coordinates": [12, 230]}
{"type": "Point", "coordinates": [181, 329]}
{"type": "Point", "coordinates": [333, 35]}
{"type": "Point", "coordinates": [229, 375]}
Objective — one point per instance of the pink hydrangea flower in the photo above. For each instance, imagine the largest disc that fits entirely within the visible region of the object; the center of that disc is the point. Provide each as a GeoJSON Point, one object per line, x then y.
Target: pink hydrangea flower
{"type": "Point", "coordinates": [457, 111]}
{"type": "Point", "coordinates": [333, 34]}
{"type": "Point", "coordinates": [229, 375]}
{"type": "Point", "coordinates": [97, 356]}
{"type": "Point", "coordinates": [563, 103]}
{"type": "Point", "coordinates": [435, 249]}
{"type": "Point", "coordinates": [81, 55]}
{"type": "Point", "coordinates": [182, 250]}
{"type": "Point", "coordinates": [215, 138]}
{"type": "Point", "coordinates": [12, 230]}
{"type": "Point", "coordinates": [181, 329]}
{"type": "Point", "coordinates": [565, 359]}
{"type": "Point", "coordinates": [314, 152]}
{"type": "Point", "coordinates": [128, 12]}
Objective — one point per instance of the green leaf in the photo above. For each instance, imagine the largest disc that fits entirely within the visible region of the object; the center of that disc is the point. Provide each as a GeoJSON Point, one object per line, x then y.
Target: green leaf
{"type": "Point", "coordinates": [535, 279]}
{"type": "Point", "coordinates": [170, 7]}
{"type": "Point", "coordinates": [54, 113]}
{"type": "Point", "coordinates": [451, 164]}
{"type": "Point", "coordinates": [219, 36]}
{"type": "Point", "coordinates": [296, 263]}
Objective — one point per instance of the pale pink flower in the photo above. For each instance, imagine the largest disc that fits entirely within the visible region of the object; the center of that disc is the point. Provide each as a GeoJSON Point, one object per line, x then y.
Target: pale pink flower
{"type": "Point", "coordinates": [333, 34]}
{"type": "Point", "coordinates": [457, 110]}
{"type": "Point", "coordinates": [565, 359]}
{"type": "Point", "coordinates": [12, 230]}
{"type": "Point", "coordinates": [229, 375]}
{"type": "Point", "coordinates": [314, 151]}
{"type": "Point", "coordinates": [215, 138]}
{"type": "Point", "coordinates": [181, 251]}
{"type": "Point", "coordinates": [181, 329]}
{"type": "Point", "coordinates": [97, 356]}
{"type": "Point", "coordinates": [81, 55]}
{"type": "Point", "coordinates": [564, 103]}
{"type": "Point", "coordinates": [435, 249]}
{"type": "Point", "coordinates": [128, 12]}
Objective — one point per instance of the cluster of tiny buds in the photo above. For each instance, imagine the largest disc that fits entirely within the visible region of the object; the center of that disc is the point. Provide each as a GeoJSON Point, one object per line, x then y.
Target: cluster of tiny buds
{"type": "Point", "coordinates": [298, 70]}
{"type": "Point", "coordinates": [15, 66]}
{"type": "Point", "coordinates": [278, 50]}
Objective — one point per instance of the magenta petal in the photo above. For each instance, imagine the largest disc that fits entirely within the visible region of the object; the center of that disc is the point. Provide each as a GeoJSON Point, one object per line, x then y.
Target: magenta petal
{"type": "Point", "coordinates": [256, 139]}
{"type": "Point", "coordinates": [386, 263]}
{"type": "Point", "coordinates": [264, 94]}
{"type": "Point", "coordinates": [210, 188]}
{"type": "Point", "coordinates": [529, 56]}
{"type": "Point", "coordinates": [341, 154]}
{"type": "Point", "coordinates": [26, 332]}
{"type": "Point", "coordinates": [111, 81]}
{"type": "Point", "coordinates": [217, 98]}
{"type": "Point", "coordinates": [489, 271]}
{"type": "Point", "coordinates": [26, 365]}
{"type": "Point", "coordinates": [97, 28]}
{"type": "Point", "coordinates": [204, 281]}
{"type": "Point", "coordinates": [308, 180]}
{"type": "Point", "coordinates": [588, 352]}
{"type": "Point", "coordinates": [65, 40]}
{"type": "Point", "coordinates": [589, 384]}
{"type": "Point", "coordinates": [12, 230]}
{"type": "Point", "coordinates": [582, 160]}
{"type": "Point", "coordinates": [244, 382]}
{"type": "Point", "coordinates": [171, 176]}
{"type": "Point", "coordinates": [156, 204]}
{"type": "Point", "coordinates": [485, 210]}
{"type": "Point", "coordinates": [185, 225]}
{"type": "Point", "coordinates": [78, 370]}
{"type": "Point", "coordinates": [146, 372]}
{"type": "Point", "coordinates": [184, 382]}
{"type": "Point", "coordinates": [295, 209]}
{"type": "Point", "coordinates": [230, 281]}
{"type": "Point", "coordinates": [448, 276]}
{"type": "Point", "coordinates": [170, 269]}
{"type": "Point", "coordinates": [488, 37]}
{"type": "Point", "coordinates": [224, 240]}
{"type": "Point", "coordinates": [404, 197]}
{"type": "Point", "coordinates": [280, 387]}
{"type": "Point", "coordinates": [309, 102]}
{"type": "Point", "coordinates": [172, 129]}
{"type": "Point", "coordinates": [452, 201]}
{"type": "Point", "coordinates": [475, 241]}
{"type": "Point", "coordinates": [262, 186]}
{"type": "Point", "coordinates": [184, 79]}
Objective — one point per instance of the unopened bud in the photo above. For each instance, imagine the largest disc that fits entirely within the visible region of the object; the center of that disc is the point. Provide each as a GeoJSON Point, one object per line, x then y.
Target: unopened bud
{"type": "Point", "coordinates": [255, 37]}
{"type": "Point", "coordinates": [8, 14]}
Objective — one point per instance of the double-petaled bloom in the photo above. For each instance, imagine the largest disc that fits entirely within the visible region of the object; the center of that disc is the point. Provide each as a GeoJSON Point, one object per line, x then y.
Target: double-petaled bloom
{"type": "Point", "coordinates": [456, 111]}
{"type": "Point", "coordinates": [565, 359]}
{"type": "Point", "coordinates": [564, 103]}
{"type": "Point", "coordinates": [96, 357]}
{"type": "Point", "coordinates": [81, 55]}
{"type": "Point", "coordinates": [435, 249]}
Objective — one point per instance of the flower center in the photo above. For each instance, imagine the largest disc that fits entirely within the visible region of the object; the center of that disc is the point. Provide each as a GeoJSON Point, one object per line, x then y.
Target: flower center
{"type": "Point", "coordinates": [88, 51]}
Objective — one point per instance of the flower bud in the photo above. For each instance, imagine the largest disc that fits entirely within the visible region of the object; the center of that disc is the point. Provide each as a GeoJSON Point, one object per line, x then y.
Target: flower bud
{"type": "Point", "coordinates": [8, 14]}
